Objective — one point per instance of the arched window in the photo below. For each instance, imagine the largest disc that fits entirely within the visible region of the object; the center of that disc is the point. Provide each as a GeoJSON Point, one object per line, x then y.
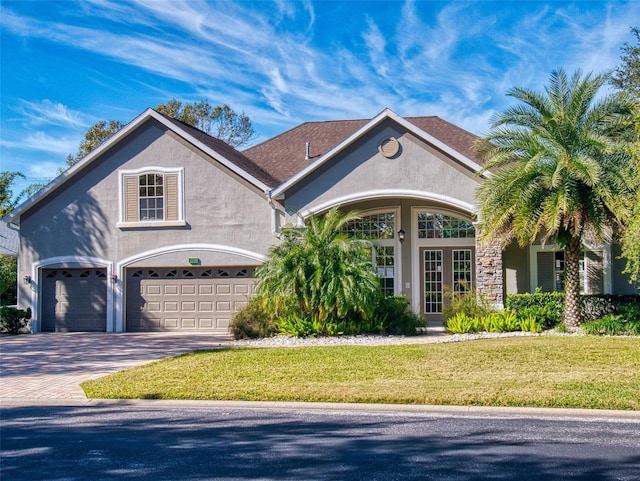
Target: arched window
{"type": "Point", "coordinates": [381, 230]}
{"type": "Point", "coordinates": [440, 226]}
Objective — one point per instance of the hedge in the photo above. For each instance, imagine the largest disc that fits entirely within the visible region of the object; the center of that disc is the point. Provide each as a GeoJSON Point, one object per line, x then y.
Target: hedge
{"type": "Point", "coordinates": [594, 306]}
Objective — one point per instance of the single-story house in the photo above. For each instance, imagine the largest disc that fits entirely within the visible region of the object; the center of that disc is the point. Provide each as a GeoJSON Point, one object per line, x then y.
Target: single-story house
{"type": "Point", "coordinates": [162, 226]}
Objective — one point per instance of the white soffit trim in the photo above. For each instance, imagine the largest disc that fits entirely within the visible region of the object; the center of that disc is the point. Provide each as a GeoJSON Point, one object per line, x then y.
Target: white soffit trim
{"type": "Point", "coordinates": [379, 194]}
{"type": "Point", "coordinates": [189, 247]}
{"type": "Point", "coordinates": [378, 119]}
{"type": "Point", "coordinates": [113, 140]}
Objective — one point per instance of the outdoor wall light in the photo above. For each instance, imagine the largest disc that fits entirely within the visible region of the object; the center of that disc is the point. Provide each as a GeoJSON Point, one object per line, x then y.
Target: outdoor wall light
{"type": "Point", "coordinates": [27, 279]}
{"type": "Point", "coordinates": [401, 235]}
{"type": "Point", "coordinates": [114, 277]}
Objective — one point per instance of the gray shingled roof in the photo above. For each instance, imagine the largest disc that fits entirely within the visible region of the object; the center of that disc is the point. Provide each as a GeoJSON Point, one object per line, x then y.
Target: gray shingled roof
{"type": "Point", "coordinates": [284, 155]}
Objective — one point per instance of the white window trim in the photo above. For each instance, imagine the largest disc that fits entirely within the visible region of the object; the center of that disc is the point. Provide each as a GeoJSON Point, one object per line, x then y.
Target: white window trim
{"type": "Point", "coordinates": [397, 251]}
{"type": "Point", "coordinates": [606, 265]}
{"type": "Point", "coordinates": [181, 222]}
{"type": "Point", "coordinates": [72, 262]}
{"type": "Point", "coordinates": [417, 244]}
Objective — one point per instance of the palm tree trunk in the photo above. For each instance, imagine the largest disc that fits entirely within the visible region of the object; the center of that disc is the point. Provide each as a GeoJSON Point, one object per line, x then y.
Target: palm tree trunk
{"type": "Point", "coordinates": [572, 307]}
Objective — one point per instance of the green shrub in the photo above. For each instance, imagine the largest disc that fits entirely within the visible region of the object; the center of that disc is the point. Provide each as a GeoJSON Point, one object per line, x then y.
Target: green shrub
{"type": "Point", "coordinates": [608, 325]}
{"type": "Point", "coordinates": [505, 321]}
{"type": "Point", "coordinates": [252, 322]}
{"type": "Point", "coordinates": [630, 312]}
{"type": "Point", "coordinates": [551, 305]}
{"type": "Point", "coordinates": [542, 304]}
{"type": "Point", "coordinates": [530, 324]}
{"type": "Point", "coordinates": [299, 326]}
{"type": "Point", "coordinates": [613, 325]}
{"type": "Point", "coordinates": [546, 315]}
{"type": "Point", "coordinates": [596, 306]}
{"type": "Point", "coordinates": [510, 320]}
{"type": "Point", "coordinates": [470, 303]}
{"type": "Point", "coordinates": [13, 320]}
{"type": "Point", "coordinates": [461, 323]}
{"type": "Point", "coordinates": [396, 317]}
{"type": "Point", "coordinates": [491, 323]}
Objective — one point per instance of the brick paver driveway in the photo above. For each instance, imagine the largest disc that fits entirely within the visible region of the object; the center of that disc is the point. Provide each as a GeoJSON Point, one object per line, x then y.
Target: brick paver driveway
{"type": "Point", "coordinates": [52, 365]}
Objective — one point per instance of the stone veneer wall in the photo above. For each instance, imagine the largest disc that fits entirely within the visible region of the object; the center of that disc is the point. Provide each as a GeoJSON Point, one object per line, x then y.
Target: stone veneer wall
{"type": "Point", "coordinates": [489, 283]}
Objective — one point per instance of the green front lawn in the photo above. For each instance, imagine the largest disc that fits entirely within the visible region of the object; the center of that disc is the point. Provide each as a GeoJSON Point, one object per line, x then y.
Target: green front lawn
{"type": "Point", "coordinates": [578, 372]}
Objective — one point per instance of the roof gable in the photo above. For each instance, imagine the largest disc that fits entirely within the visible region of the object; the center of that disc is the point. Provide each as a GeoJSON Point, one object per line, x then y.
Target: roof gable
{"type": "Point", "coordinates": [330, 136]}
{"type": "Point", "coordinates": [216, 148]}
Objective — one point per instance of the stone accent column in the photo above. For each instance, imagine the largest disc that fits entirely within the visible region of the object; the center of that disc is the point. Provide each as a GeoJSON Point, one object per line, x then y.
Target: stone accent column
{"type": "Point", "coordinates": [489, 283]}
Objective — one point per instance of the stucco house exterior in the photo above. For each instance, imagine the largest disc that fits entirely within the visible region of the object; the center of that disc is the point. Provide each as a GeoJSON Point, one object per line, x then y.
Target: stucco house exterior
{"type": "Point", "coordinates": [162, 226]}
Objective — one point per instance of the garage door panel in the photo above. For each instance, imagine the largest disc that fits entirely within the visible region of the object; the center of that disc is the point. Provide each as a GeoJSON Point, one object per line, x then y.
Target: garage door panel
{"type": "Point", "coordinates": [223, 323]}
{"type": "Point", "coordinates": [171, 307]}
{"type": "Point", "coordinates": [74, 300]}
{"type": "Point", "coordinates": [205, 306]}
{"type": "Point", "coordinates": [223, 306]}
{"type": "Point", "coordinates": [242, 289]}
{"type": "Point", "coordinates": [201, 298]}
{"type": "Point", "coordinates": [206, 323]}
{"type": "Point", "coordinates": [152, 307]}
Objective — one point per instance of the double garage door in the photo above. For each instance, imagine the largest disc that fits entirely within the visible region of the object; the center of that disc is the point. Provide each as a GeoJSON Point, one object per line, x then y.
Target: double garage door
{"type": "Point", "coordinates": [193, 299]}
{"type": "Point", "coordinates": [174, 299]}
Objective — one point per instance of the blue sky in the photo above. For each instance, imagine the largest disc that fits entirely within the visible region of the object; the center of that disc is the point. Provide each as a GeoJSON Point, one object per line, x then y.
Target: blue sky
{"type": "Point", "coordinates": [68, 64]}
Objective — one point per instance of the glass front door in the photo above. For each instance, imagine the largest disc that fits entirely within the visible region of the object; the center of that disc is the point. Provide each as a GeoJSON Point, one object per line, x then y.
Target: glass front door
{"type": "Point", "coordinates": [445, 272]}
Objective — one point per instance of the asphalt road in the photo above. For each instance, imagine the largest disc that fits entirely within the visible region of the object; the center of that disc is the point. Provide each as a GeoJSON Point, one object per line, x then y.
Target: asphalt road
{"type": "Point", "coordinates": [155, 441]}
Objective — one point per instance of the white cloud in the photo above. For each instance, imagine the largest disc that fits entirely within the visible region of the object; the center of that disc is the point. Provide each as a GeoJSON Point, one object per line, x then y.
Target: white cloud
{"type": "Point", "coordinates": [265, 58]}
{"type": "Point", "coordinates": [52, 113]}
{"type": "Point", "coordinates": [42, 142]}
{"type": "Point", "coordinates": [42, 170]}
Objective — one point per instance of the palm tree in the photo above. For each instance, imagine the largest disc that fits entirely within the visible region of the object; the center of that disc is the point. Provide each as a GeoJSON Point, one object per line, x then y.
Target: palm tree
{"type": "Point", "coordinates": [558, 171]}
{"type": "Point", "coordinates": [317, 272]}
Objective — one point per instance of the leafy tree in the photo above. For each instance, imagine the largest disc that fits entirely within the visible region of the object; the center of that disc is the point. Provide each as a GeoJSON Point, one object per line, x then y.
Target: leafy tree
{"type": "Point", "coordinates": [630, 234]}
{"type": "Point", "coordinates": [627, 76]}
{"type": "Point", "coordinates": [220, 121]}
{"type": "Point", "coordinates": [318, 273]}
{"type": "Point", "coordinates": [558, 171]}
{"type": "Point", "coordinates": [7, 202]}
{"type": "Point", "coordinates": [8, 279]}
{"type": "Point", "coordinates": [627, 79]}
{"type": "Point", "coordinates": [93, 138]}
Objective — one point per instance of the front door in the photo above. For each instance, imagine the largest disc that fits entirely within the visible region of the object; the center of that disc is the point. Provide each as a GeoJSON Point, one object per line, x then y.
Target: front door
{"type": "Point", "coordinates": [445, 271]}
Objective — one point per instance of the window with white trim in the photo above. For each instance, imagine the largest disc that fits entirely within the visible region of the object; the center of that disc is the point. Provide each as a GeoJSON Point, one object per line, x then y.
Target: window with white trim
{"type": "Point", "coordinates": [433, 225]}
{"type": "Point", "coordinates": [151, 197]}
{"type": "Point", "coordinates": [380, 229]}
{"type": "Point", "coordinates": [550, 267]}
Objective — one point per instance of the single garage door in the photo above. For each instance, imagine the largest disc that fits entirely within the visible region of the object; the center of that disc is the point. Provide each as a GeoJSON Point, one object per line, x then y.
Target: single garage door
{"type": "Point", "coordinates": [74, 300]}
{"type": "Point", "coordinates": [186, 299]}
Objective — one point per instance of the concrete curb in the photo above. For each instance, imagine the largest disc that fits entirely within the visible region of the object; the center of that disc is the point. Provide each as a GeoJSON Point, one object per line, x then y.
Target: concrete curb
{"type": "Point", "coordinates": [558, 413]}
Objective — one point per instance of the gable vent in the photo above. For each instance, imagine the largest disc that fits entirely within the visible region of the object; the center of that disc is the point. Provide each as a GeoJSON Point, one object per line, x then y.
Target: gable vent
{"type": "Point", "coordinates": [389, 147]}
